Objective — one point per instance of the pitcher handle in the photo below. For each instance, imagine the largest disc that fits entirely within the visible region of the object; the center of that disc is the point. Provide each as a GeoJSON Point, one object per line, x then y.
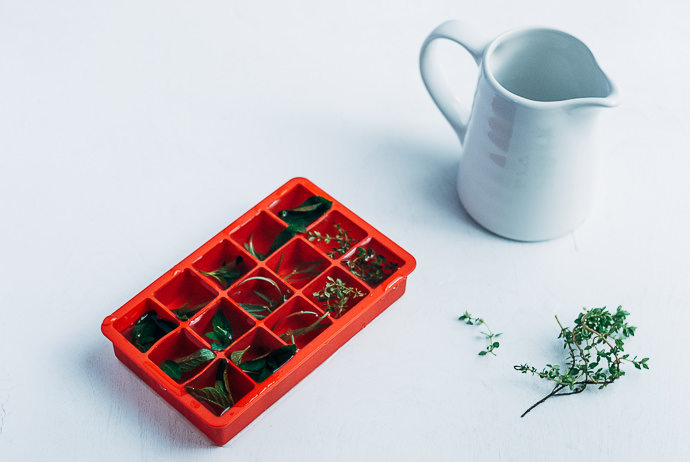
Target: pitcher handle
{"type": "Point", "coordinates": [435, 79]}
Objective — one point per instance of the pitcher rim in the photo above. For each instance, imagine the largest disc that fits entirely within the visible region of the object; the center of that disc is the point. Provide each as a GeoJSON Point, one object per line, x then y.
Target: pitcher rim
{"type": "Point", "coordinates": [611, 100]}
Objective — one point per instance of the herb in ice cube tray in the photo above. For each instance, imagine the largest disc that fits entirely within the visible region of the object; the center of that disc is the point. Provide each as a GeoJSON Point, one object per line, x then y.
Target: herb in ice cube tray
{"type": "Point", "coordinates": [490, 336]}
{"type": "Point", "coordinates": [335, 295]}
{"type": "Point", "coordinates": [291, 334]}
{"type": "Point", "coordinates": [188, 310]}
{"type": "Point", "coordinates": [307, 212]}
{"type": "Point", "coordinates": [262, 367]}
{"type": "Point", "coordinates": [226, 274]}
{"type": "Point", "coordinates": [219, 394]}
{"type": "Point", "coordinates": [342, 238]}
{"type": "Point", "coordinates": [176, 367]}
{"type": "Point", "coordinates": [370, 266]}
{"type": "Point", "coordinates": [148, 330]}
{"type": "Point", "coordinates": [282, 238]}
{"type": "Point", "coordinates": [261, 310]}
{"type": "Point", "coordinates": [595, 354]}
{"type": "Point", "coordinates": [222, 332]}
{"type": "Point", "coordinates": [306, 270]}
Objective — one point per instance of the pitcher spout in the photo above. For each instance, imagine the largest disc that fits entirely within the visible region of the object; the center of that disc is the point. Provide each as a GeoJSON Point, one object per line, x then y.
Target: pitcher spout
{"type": "Point", "coordinates": [606, 93]}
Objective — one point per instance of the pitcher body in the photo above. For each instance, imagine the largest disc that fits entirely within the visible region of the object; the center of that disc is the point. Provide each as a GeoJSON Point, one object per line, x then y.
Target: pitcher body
{"type": "Point", "coordinates": [529, 152]}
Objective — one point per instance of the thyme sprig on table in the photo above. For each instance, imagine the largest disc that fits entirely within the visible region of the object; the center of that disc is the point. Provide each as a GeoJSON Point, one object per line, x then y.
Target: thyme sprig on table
{"type": "Point", "coordinates": [595, 354]}
{"type": "Point", "coordinates": [490, 336]}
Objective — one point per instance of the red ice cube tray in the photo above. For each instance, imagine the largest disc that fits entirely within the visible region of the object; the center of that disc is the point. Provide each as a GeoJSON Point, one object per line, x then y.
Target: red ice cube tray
{"type": "Point", "coordinates": [188, 284]}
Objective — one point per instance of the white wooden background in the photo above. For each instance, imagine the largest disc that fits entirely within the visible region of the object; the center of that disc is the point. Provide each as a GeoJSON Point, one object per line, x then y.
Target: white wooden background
{"type": "Point", "coordinates": [133, 131]}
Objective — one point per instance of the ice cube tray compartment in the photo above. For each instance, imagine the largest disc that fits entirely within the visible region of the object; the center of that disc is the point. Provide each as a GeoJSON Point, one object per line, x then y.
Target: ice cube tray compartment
{"type": "Point", "coordinates": [235, 274]}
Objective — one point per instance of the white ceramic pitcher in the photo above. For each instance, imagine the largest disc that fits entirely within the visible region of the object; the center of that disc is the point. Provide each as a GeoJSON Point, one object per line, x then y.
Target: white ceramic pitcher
{"type": "Point", "coordinates": [528, 168]}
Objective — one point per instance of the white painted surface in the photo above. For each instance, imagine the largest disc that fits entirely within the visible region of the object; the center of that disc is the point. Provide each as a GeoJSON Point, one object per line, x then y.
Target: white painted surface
{"type": "Point", "coordinates": [131, 132]}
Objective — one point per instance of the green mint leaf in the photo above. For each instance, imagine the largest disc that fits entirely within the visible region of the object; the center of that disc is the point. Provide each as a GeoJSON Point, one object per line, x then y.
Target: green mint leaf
{"type": "Point", "coordinates": [284, 237]}
{"type": "Point", "coordinates": [148, 330]}
{"type": "Point", "coordinates": [214, 395]}
{"type": "Point", "coordinates": [261, 368]}
{"type": "Point", "coordinates": [306, 213]}
{"type": "Point", "coordinates": [187, 310]}
{"type": "Point", "coordinates": [171, 368]}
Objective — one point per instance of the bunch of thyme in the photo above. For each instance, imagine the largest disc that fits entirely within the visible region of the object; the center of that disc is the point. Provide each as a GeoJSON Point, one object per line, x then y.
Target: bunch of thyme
{"type": "Point", "coordinates": [595, 354]}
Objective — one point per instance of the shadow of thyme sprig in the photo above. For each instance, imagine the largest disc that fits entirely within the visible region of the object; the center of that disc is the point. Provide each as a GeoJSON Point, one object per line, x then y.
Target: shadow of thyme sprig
{"type": "Point", "coordinates": [595, 354]}
{"type": "Point", "coordinates": [490, 336]}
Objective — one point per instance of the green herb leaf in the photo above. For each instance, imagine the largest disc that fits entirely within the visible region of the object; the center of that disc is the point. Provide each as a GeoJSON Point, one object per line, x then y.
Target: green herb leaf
{"type": "Point", "coordinates": [222, 331]}
{"type": "Point", "coordinates": [284, 236]}
{"type": "Point", "coordinates": [226, 274]}
{"type": "Point", "coordinates": [335, 296]}
{"type": "Point", "coordinates": [214, 395]}
{"type": "Point", "coordinates": [261, 368]}
{"type": "Point", "coordinates": [304, 270]}
{"type": "Point", "coordinates": [236, 356]}
{"type": "Point", "coordinates": [187, 310]}
{"type": "Point", "coordinates": [249, 247]}
{"type": "Point", "coordinates": [342, 238]}
{"type": "Point", "coordinates": [290, 335]}
{"type": "Point", "coordinates": [261, 311]}
{"type": "Point", "coordinates": [171, 368]}
{"type": "Point", "coordinates": [219, 394]}
{"type": "Point", "coordinates": [306, 213]}
{"type": "Point", "coordinates": [195, 360]}
{"type": "Point", "coordinates": [370, 266]}
{"type": "Point", "coordinates": [175, 368]}
{"type": "Point", "coordinates": [258, 311]}
{"type": "Point", "coordinates": [148, 330]}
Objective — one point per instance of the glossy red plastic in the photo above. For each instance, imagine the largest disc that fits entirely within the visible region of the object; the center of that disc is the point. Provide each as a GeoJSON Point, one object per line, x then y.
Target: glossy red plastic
{"type": "Point", "coordinates": [186, 283]}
